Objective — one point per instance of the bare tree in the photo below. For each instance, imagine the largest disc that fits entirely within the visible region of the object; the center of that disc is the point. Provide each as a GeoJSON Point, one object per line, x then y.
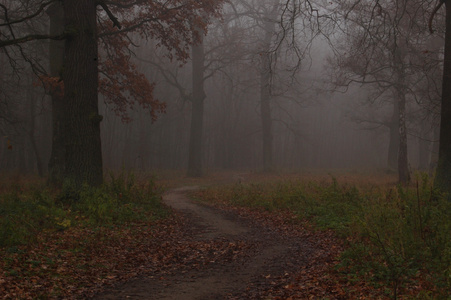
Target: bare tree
{"type": "Point", "coordinates": [197, 101]}
{"type": "Point", "coordinates": [282, 32]}
{"type": "Point", "coordinates": [380, 40]}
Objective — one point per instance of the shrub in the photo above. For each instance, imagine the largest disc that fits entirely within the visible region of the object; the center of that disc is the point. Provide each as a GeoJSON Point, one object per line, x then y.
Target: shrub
{"type": "Point", "coordinates": [24, 213]}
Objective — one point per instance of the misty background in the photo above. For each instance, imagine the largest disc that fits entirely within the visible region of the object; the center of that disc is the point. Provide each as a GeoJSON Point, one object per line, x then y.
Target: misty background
{"type": "Point", "coordinates": [316, 124]}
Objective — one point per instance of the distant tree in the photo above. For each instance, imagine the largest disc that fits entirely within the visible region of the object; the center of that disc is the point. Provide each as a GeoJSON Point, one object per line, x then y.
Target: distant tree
{"type": "Point", "coordinates": [210, 55]}
{"type": "Point", "coordinates": [22, 105]}
{"type": "Point", "coordinates": [197, 101]}
{"type": "Point", "coordinates": [378, 47]}
{"type": "Point", "coordinates": [56, 164]}
{"type": "Point", "coordinates": [282, 32]}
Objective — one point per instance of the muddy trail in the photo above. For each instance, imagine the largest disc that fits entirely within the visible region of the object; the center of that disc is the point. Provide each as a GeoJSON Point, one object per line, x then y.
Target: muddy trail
{"type": "Point", "coordinates": [263, 258]}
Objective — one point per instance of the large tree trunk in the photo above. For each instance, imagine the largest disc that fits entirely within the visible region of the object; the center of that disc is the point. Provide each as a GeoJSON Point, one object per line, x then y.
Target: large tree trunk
{"type": "Point", "coordinates": [443, 174]}
{"type": "Point", "coordinates": [393, 147]}
{"type": "Point", "coordinates": [56, 56]}
{"type": "Point", "coordinates": [80, 73]}
{"type": "Point", "coordinates": [197, 114]}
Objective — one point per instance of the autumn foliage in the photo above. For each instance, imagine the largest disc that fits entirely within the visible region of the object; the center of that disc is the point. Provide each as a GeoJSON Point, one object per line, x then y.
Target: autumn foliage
{"type": "Point", "coordinates": [170, 23]}
{"type": "Point", "coordinates": [121, 84]}
{"type": "Point", "coordinates": [52, 85]}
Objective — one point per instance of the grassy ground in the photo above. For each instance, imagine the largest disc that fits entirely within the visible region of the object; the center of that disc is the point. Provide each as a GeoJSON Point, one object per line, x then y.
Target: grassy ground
{"type": "Point", "coordinates": [29, 207]}
{"type": "Point", "coordinates": [52, 242]}
{"type": "Point", "coordinates": [398, 237]}
{"type": "Point", "coordinates": [57, 243]}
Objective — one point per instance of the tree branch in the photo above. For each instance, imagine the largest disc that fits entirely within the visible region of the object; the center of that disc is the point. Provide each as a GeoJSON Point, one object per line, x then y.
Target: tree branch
{"type": "Point", "coordinates": [110, 14]}
{"type": "Point", "coordinates": [38, 12]}
{"type": "Point", "coordinates": [434, 12]}
{"type": "Point", "coordinates": [32, 37]}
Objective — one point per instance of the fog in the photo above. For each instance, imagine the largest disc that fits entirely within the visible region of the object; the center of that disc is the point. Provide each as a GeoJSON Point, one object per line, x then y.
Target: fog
{"type": "Point", "coordinates": [317, 135]}
{"type": "Point", "coordinates": [317, 122]}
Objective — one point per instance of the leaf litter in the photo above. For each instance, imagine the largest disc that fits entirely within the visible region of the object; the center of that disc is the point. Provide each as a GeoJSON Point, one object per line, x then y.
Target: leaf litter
{"type": "Point", "coordinates": [279, 258]}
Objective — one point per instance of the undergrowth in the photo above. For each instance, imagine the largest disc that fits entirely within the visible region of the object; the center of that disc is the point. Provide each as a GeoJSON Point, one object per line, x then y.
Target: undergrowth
{"type": "Point", "coordinates": [27, 211]}
{"type": "Point", "coordinates": [399, 237]}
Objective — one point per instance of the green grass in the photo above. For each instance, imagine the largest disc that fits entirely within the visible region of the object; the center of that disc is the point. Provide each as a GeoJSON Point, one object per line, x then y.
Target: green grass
{"type": "Point", "coordinates": [27, 211]}
{"type": "Point", "coordinates": [399, 236]}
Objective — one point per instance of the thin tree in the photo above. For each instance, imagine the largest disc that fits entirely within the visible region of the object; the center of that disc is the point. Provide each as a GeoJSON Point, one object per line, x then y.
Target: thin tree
{"type": "Point", "coordinates": [197, 101]}
{"type": "Point", "coordinates": [381, 40]}
{"type": "Point", "coordinates": [277, 27]}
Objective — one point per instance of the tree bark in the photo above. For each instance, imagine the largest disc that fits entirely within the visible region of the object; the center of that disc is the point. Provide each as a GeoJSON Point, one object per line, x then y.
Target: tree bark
{"type": "Point", "coordinates": [443, 173]}
{"type": "Point", "coordinates": [80, 74]}
{"type": "Point", "coordinates": [56, 54]}
{"type": "Point", "coordinates": [197, 114]}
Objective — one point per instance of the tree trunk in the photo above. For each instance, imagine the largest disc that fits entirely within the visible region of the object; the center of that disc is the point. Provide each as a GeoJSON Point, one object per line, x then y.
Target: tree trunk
{"type": "Point", "coordinates": [393, 148]}
{"type": "Point", "coordinates": [265, 97]}
{"type": "Point", "coordinates": [435, 149]}
{"type": "Point", "coordinates": [424, 151]}
{"type": "Point", "coordinates": [197, 114]}
{"type": "Point", "coordinates": [443, 173]}
{"type": "Point", "coordinates": [31, 132]}
{"type": "Point", "coordinates": [403, 166]}
{"type": "Point", "coordinates": [56, 55]}
{"type": "Point", "coordinates": [265, 107]}
{"type": "Point", "coordinates": [80, 73]}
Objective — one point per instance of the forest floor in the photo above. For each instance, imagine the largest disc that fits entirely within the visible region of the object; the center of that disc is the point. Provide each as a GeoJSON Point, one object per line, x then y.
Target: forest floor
{"type": "Point", "coordinates": [239, 255]}
{"type": "Point", "coordinates": [209, 249]}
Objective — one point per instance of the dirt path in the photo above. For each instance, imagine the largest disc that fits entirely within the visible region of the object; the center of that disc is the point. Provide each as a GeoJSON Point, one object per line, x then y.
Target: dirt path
{"type": "Point", "coordinates": [268, 255]}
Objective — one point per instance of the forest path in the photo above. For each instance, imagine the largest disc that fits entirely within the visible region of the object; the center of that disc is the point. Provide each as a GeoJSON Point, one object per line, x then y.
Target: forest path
{"type": "Point", "coordinates": [265, 255]}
